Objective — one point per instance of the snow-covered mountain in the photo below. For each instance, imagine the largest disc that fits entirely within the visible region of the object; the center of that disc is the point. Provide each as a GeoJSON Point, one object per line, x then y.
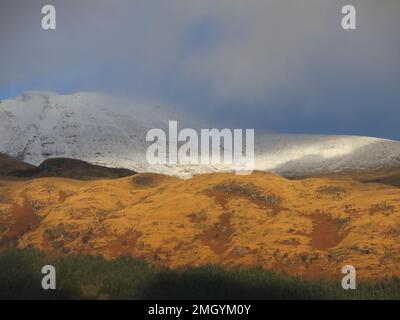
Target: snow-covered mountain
{"type": "Point", "coordinates": [104, 130]}
{"type": "Point", "coordinates": [93, 127]}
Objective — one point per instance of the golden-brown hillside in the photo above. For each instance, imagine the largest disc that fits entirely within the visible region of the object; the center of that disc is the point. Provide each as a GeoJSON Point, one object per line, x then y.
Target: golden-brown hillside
{"type": "Point", "coordinates": [310, 226]}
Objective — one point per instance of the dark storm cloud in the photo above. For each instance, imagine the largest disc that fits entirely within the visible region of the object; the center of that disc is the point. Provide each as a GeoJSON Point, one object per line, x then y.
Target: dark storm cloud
{"type": "Point", "coordinates": [275, 65]}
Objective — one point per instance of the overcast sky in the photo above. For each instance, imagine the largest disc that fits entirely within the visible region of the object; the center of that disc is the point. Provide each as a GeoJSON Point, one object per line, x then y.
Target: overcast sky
{"type": "Point", "coordinates": [273, 65]}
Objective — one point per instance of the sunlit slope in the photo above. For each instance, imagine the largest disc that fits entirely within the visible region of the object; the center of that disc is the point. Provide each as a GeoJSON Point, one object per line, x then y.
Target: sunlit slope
{"type": "Point", "coordinates": [312, 226]}
{"type": "Point", "coordinates": [308, 155]}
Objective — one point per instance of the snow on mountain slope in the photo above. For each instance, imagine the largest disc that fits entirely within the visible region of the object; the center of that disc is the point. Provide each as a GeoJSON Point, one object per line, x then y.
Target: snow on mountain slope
{"type": "Point", "coordinates": [296, 155]}
{"type": "Point", "coordinates": [104, 130]}
{"type": "Point", "coordinates": [92, 127]}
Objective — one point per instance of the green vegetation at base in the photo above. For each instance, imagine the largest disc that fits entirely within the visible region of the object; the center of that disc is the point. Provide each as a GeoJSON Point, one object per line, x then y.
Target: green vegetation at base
{"type": "Point", "coordinates": [93, 277]}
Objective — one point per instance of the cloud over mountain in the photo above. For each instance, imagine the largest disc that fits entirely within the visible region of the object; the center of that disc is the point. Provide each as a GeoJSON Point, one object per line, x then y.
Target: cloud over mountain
{"type": "Point", "coordinates": [274, 65]}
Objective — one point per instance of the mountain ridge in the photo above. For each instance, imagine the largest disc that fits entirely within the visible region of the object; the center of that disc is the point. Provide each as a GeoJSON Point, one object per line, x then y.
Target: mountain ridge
{"type": "Point", "coordinates": [59, 168]}
{"type": "Point", "coordinates": [103, 130]}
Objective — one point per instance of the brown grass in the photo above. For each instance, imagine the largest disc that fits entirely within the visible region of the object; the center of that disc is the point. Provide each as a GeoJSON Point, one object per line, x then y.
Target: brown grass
{"type": "Point", "coordinates": [256, 220]}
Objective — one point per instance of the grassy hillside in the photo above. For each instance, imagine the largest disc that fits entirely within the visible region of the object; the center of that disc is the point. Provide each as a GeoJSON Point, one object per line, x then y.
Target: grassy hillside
{"type": "Point", "coordinates": [91, 277]}
{"type": "Point", "coordinates": [312, 227]}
